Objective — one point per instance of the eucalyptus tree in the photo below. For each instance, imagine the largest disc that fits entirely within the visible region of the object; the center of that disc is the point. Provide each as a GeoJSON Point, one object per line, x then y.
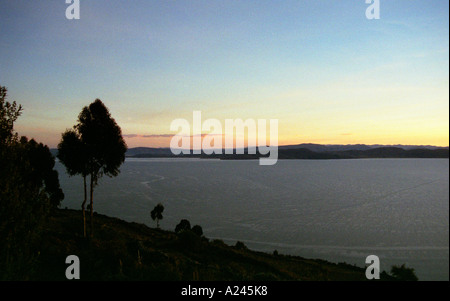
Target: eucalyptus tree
{"type": "Point", "coordinates": [101, 147]}
{"type": "Point", "coordinates": [73, 154]}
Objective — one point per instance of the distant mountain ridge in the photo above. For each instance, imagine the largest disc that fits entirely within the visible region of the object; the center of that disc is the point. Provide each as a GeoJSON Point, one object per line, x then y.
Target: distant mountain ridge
{"type": "Point", "coordinates": [361, 147]}
{"type": "Point", "coordinates": [379, 152]}
{"type": "Point", "coordinates": [310, 151]}
{"type": "Point", "coordinates": [314, 151]}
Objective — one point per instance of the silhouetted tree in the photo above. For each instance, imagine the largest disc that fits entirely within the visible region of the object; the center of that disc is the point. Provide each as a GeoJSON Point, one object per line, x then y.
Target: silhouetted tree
{"type": "Point", "coordinates": [240, 245]}
{"type": "Point", "coordinates": [105, 147]}
{"type": "Point", "coordinates": [73, 154]}
{"type": "Point", "coordinates": [197, 230]}
{"type": "Point", "coordinates": [9, 112]}
{"type": "Point", "coordinates": [29, 190]}
{"type": "Point", "coordinates": [156, 213]}
{"type": "Point", "coordinates": [42, 173]}
{"type": "Point", "coordinates": [183, 225]}
{"type": "Point", "coordinates": [403, 273]}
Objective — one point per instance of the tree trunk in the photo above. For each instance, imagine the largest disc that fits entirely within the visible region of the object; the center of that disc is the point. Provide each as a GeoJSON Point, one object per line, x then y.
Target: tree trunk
{"type": "Point", "coordinates": [92, 206]}
{"type": "Point", "coordinates": [83, 208]}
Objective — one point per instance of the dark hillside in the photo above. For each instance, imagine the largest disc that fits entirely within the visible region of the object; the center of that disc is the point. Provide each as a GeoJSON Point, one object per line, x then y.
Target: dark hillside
{"type": "Point", "coordinates": [131, 251]}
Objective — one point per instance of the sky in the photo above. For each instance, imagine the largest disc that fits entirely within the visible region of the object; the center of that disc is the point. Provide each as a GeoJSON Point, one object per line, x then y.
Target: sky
{"type": "Point", "coordinates": [325, 71]}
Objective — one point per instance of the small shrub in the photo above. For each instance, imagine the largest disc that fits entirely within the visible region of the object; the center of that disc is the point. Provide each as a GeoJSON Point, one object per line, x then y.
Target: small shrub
{"type": "Point", "coordinates": [218, 242]}
{"type": "Point", "coordinates": [402, 273]}
{"type": "Point", "coordinates": [197, 230]}
{"type": "Point", "coordinates": [240, 246]}
{"type": "Point", "coordinates": [183, 225]}
{"type": "Point", "coordinates": [189, 239]}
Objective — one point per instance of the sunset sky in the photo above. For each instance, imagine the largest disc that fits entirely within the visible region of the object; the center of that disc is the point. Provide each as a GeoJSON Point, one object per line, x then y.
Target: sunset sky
{"type": "Point", "coordinates": [326, 72]}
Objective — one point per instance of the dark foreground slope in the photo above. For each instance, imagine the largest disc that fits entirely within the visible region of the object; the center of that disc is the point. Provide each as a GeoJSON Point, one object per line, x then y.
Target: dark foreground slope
{"type": "Point", "coordinates": [131, 251]}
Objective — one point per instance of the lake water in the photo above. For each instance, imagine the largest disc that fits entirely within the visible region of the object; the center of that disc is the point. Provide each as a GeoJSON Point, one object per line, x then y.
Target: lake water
{"type": "Point", "coordinates": [337, 210]}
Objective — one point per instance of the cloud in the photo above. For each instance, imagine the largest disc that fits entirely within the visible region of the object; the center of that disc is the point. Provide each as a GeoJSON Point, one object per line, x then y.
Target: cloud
{"type": "Point", "coordinates": [130, 136]}
{"type": "Point", "coordinates": [203, 135]}
{"type": "Point", "coordinates": [148, 136]}
{"type": "Point", "coordinates": [158, 136]}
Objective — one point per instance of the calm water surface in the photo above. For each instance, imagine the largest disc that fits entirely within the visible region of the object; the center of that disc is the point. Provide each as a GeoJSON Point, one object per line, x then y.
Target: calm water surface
{"type": "Point", "coordinates": [337, 210]}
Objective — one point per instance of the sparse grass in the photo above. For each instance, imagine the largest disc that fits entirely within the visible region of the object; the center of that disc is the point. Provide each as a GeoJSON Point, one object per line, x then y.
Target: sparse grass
{"type": "Point", "coordinates": [132, 251]}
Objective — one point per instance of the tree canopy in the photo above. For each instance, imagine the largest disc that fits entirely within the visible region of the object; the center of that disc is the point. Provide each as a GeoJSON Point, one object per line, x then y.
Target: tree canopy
{"type": "Point", "coordinates": [94, 147]}
{"type": "Point", "coordinates": [9, 112]}
{"type": "Point", "coordinates": [182, 226]}
{"type": "Point", "coordinates": [29, 191]}
{"type": "Point", "coordinates": [156, 213]}
{"type": "Point", "coordinates": [73, 153]}
{"type": "Point", "coordinates": [103, 139]}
